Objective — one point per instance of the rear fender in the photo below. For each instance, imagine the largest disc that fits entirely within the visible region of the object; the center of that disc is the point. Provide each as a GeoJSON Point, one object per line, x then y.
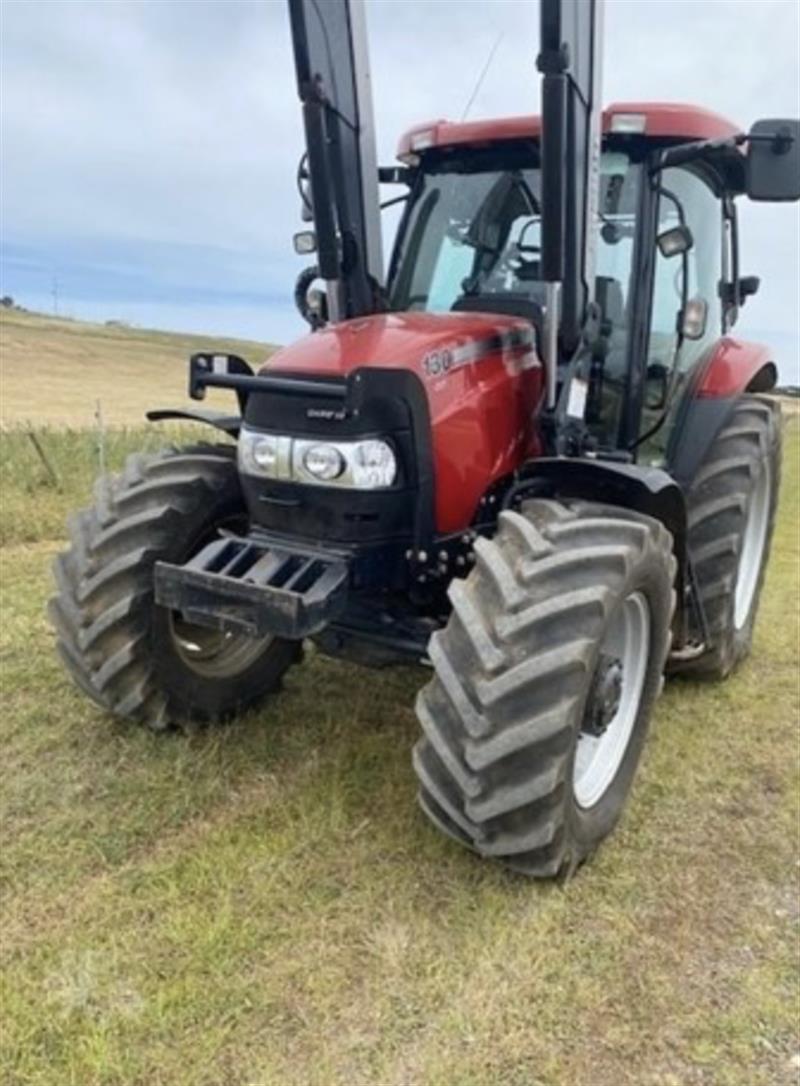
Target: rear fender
{"type": "Point", "coordinates": [733, 368]}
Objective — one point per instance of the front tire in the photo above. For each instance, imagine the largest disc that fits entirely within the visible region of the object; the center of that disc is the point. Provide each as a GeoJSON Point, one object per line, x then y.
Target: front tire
{"type": "Point", "coordinates": [554, 650]}
{"type": "Point", "coordinates": [133, 658]}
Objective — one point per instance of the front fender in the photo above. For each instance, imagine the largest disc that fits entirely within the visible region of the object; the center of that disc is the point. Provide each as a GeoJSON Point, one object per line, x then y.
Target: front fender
{"type": "Point", "coordinates": [228, 424]}
{"type": "Point", "coordinates": [642, 489]}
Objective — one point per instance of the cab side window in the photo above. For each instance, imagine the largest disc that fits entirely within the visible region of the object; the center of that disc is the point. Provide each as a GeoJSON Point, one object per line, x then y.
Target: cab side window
{"type": "Point", "coordinates": [668, 365]}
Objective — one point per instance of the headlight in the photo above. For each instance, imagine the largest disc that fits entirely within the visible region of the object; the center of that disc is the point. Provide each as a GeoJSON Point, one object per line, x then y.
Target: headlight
{"type": "Point", "coordinates": [264, 454]}
{"type": "Point", "coordinates": [324, 462]}
{"type": "Point", "coordinates": [360, 465]}
{"type": "Point", "coordinates": [373, 464]}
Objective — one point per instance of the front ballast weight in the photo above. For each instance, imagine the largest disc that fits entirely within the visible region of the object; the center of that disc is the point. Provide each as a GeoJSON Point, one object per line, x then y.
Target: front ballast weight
{"type": "Point", "coordinates": [241, 586]}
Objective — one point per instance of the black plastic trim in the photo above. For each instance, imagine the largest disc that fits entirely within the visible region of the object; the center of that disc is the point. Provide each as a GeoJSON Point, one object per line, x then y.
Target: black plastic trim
{"type": "Point", "coordinates": [228, 424]}
{"type": "Point", "coordinates": [646, 490]}
{"type": "Point", "coordinates": [374, 397]}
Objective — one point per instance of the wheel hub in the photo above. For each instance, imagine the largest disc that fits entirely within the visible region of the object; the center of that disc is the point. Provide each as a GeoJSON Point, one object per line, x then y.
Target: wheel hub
{"type": "Point", "coordinates": [604, 696]}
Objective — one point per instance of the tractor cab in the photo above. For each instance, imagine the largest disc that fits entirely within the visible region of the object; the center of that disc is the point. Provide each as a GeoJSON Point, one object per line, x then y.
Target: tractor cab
{"type": "Point", "coordinates": [665, 248]}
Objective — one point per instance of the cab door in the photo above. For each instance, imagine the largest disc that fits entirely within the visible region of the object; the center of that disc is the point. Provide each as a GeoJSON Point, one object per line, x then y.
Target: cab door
{"type": "Point", "coordinates": [686, 309]}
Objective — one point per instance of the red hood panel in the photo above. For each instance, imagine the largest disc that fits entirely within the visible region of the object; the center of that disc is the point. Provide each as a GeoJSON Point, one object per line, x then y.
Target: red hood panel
{"type": "Point", "coordinates": [388, 339]}
{"type": "Point", "coordinates": [482, 377]}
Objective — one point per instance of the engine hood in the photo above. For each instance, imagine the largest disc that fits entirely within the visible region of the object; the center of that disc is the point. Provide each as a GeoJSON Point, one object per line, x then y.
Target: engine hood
{"type": "Point", "coordinates": [430, 344]}
{"type": "Point", "coordinates": [481, 377]}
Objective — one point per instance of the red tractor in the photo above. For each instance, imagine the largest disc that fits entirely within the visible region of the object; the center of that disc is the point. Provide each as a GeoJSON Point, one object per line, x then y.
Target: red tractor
{"type": "Point", "coordinates": [531, 455]}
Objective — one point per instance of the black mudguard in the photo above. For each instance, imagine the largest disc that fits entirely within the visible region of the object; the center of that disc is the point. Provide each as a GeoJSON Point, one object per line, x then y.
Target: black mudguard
{"type": "Point", "coordinates": [643, 489]}
{"type": "Point", "coordinates": [228, 424]}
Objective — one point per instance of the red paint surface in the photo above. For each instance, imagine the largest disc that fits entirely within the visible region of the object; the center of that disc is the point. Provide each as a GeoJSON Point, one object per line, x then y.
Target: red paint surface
{"type": "Point", "coordinates": [664, 120]}
{"type": "Point", "coordinates": [731, 367]}
{"type": "Point", "coordinates": [481, 413]}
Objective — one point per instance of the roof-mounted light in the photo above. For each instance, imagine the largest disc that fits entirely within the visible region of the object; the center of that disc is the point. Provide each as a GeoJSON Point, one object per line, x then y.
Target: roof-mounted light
{"type": "Point", "coordinates": [417, 141]}
{"type": "Point", "coordinates": [422, 140]}
{"type": "Point", "coordinates": [628, 123]}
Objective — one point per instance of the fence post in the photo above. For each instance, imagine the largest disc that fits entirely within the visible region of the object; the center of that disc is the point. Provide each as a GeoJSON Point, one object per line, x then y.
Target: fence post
{"type": "Point", "coordinates": [101, 437]}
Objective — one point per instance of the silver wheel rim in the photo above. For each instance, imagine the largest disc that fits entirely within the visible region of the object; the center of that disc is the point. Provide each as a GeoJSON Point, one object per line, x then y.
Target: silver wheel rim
{"type": "Point", "coordinates": [598, 757]}
{"type": "Point", "coordinates": [754, 541]}
{"type": "Point", "coordinates": [214, 654]}
{"type": "Point", "coordinates": [210, 653]}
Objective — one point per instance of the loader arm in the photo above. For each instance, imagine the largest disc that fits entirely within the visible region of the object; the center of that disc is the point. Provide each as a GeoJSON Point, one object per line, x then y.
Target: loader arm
{"type": "Point", "coordinates": [333, 82]}
{"type": "Point", "coordinates": [570, 62]}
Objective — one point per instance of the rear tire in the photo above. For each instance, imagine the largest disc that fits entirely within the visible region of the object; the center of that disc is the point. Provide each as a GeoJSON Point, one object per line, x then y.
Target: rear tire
{"type": "Point", "coordinates": [731, 511]}
{"type": "Point", "coordinates": [135, 659]}
{"type": "Point", "coordinates": [520, 671]}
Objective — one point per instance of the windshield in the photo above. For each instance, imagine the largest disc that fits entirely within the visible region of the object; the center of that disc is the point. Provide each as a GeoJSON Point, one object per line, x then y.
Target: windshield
{"type": "Point", "coordinates": [475, 234]}
{"type": "Point", "coordinates": [469, 233]}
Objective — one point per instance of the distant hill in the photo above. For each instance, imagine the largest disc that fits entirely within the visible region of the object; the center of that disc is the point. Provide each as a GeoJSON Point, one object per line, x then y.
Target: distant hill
{"type": "Point", "coordinates": [53, 370]}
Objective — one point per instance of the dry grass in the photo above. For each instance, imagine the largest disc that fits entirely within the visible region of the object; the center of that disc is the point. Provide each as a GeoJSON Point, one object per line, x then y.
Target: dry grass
{"type": "Point", "coordinates": [263, 904]}
{"type": "Point", "coordinates": [53, 372]}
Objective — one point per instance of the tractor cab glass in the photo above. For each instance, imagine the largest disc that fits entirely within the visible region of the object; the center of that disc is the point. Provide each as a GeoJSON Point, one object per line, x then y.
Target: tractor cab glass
{"type": "Point", "coordinates": [461, 241]}
{"type": "Point", "coordinates": [471, 242]}
{"type": "Point", "coordinates": [686, 309]}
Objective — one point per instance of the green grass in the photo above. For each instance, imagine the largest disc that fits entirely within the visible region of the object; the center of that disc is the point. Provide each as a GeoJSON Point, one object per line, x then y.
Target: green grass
{"type": "Point", "coordinates": [263, 904]}
{"type": "Point", "coordinates": [46, 472]}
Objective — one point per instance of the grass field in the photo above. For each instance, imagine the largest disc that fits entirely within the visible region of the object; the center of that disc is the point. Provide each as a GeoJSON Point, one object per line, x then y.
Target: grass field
{"type": "Point", "coordinates": [54, 371]}
{"type": "Point", "coordinates": [264, 904]}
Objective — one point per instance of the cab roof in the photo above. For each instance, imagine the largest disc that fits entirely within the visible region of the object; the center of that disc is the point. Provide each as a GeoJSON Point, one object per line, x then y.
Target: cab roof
{"type": "Point", "coordinates": [657, 120]}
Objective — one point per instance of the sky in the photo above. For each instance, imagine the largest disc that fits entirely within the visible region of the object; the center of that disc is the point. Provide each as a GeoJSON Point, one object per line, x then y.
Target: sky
{"type": "Point", "coordinates": [149, 147]}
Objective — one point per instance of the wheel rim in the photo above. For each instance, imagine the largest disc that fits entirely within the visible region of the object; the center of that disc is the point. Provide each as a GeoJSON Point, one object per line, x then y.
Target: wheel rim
{"type": "Point", "coordinates": [209, 653]}
{"type": "Point", "coordinates": [754, 541]}
{"type": "Point", "coordinates": [214, 654]}
{"type": "Point", "coordinates": [599, 756]}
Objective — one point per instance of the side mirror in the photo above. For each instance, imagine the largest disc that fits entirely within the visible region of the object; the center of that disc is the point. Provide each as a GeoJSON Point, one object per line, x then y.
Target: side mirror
{"type": "Point", "coordinates": [305, 242]}
{"type": "Point", "coordinates": [675, 241]}
{"type": "Point", "coordinates": [694, 318]}
{"type": "Point", "coordinates": [748, 286]}
{"type": "Point", "coordinates": [656, 386]}
{"type": "Point", "coordinates": [773, 161]}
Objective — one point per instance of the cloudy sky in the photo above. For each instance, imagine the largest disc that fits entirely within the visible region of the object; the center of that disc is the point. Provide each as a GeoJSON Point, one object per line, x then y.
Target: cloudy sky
{"type": "Point", "coordinates": [149, 146]}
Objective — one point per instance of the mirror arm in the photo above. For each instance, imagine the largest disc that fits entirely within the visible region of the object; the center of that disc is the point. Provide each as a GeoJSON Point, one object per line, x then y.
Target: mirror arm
{"type": "Point", "coordinates": [691, 152]}
{"type": "Point", "coordinates": [682, 153]}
